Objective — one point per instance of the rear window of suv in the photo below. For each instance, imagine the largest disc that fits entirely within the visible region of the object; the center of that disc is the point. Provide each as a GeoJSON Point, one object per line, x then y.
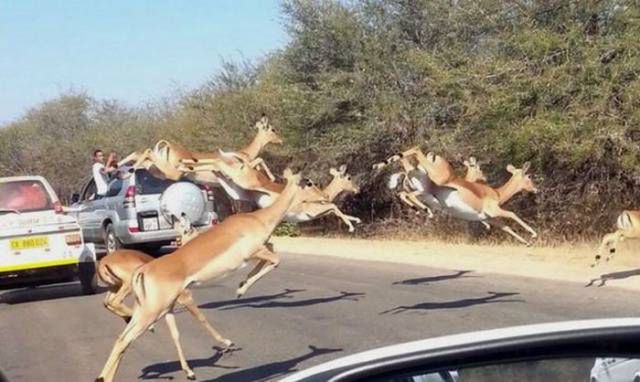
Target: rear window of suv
{"type": "Point", "coordinates": [24, 196]}
{"type": "Point", "coordinates": [147, 184]}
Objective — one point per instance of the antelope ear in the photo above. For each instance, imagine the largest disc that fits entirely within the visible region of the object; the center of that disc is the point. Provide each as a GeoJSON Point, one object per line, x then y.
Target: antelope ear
{"type": "Point", "coordinates": [473, 160]}
{"type": "Point", "coordinates": [343, 169]}
{"type": "Point", "coordinates": [264, 119]}
{"type": "Point", "coordinates": [526, 166]}
{"type": "Point", "coordinates": [511, 168]}
{"type": "Point", "coordinates": [333, 171]}
{"type": "Point", "coordinates": [466, 163]}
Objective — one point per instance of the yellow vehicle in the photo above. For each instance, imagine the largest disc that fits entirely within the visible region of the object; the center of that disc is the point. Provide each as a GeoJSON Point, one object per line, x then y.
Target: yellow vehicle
{"type": "Point", "coordinates": [39, 242]}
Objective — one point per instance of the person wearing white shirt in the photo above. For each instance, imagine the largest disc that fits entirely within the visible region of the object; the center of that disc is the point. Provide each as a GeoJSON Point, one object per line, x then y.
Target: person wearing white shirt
{"type": "Point", "coordinates": [101, 173]}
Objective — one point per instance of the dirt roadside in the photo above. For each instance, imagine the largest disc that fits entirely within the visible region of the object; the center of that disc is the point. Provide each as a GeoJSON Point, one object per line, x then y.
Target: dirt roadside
{"type": "Point", "coordinates": [567, 263]}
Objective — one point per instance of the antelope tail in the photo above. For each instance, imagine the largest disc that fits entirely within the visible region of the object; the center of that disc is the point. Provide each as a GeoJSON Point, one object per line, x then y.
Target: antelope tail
{"type": "Point", "coordinates": [624, 221]}
{"type": "Point", "coordinates": [162, 147]}
{"type": "Point", "coordinates": [395, 179]}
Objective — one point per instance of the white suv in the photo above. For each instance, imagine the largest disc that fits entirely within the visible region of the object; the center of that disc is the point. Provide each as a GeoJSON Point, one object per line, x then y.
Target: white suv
{"type": "Point", "coordinates": [39, 242]}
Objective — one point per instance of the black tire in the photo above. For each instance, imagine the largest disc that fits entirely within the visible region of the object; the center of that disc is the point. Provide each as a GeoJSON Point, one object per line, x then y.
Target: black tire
{"type": "Point", "coordinates": [88, 277]}
{"type": "Point", "coordinates": [111, 241]}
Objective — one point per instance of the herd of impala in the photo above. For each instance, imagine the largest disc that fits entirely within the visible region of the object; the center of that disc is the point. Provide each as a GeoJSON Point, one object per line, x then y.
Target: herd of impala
{"type": "Point", "coordinates": [426, 183]}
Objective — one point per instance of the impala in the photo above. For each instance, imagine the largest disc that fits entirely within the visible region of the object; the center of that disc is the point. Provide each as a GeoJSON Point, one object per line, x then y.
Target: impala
{"type": "Point", "coordinates": [628, 227]}
{"type": "Point", "coordinates": [251, 185]}
{"type": "Point", "coordinates": [213, 254]}
{"type": "Point", "coordinates": [117, 268]}
{"type": "Point", "coordinates": [416, 183]}
{"type": "Point", "coordinates": [165, 158]}
{"type": "Point", "coordinates": [468, 200]}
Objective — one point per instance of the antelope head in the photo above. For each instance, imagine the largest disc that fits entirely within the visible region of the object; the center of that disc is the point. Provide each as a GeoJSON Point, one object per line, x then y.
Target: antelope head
{"type": "Point", "coordinates": [266, 133]}
{"type": "Point", "coordinates": [520, 179]}
{"type": "Point", "coordinates": [342, 181]}
{"type": "Point", "coordinates": [474, 172]}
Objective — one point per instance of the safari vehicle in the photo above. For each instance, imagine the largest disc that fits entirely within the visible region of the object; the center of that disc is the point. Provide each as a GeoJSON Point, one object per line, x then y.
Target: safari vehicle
{"type": "Point", "coordinates": [39, 242]}
{"type": "Point", "coordinates": [563, 351]}
{"type": "Point", "coordinates": [131, 212]}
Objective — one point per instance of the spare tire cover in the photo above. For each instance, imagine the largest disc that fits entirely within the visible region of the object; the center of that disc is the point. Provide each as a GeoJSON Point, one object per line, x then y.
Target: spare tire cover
{"type": "Point", "coordinates": [182, 198]}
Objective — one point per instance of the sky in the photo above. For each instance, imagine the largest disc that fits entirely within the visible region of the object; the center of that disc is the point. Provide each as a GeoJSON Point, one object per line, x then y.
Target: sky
{"type": "Point", "coordinates": [130, 50]}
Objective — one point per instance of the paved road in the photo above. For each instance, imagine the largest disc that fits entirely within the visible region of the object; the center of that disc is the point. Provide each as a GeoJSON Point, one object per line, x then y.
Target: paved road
{"type": "Point", "coordinates": [310, 310]}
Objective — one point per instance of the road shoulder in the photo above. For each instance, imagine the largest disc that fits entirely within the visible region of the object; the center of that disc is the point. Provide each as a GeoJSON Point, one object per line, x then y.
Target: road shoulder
{"type": "Point", "coordinates": [566, 263]}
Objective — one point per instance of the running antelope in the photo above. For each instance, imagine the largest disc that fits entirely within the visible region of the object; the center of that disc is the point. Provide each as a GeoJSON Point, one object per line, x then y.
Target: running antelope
{"type": "Point", "coordinates": [213, 254]}
{"type": "Point", "coordinates": [116, 270]}
{"type": "Point", "coordinates": [165, 158]}
{"type": "Point", "coordinates": [251, 185]}
{"type": "Point", "coordinates": [416, 183]}
{"type": "Point", "coordinates": [628, 227]}
{"type": "Point", "coordinates": [472, 201]}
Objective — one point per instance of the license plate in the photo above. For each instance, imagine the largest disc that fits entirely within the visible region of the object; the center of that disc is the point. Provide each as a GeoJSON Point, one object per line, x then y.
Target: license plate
{"type": "Point", "coordinates": [150, 224]}
{"type": "Point", "coordinates": [29, 243]}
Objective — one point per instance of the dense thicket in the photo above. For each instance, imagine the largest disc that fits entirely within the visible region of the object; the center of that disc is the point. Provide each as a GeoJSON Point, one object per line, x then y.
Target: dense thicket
{"type": "Point", "coordinates": [553, 82]}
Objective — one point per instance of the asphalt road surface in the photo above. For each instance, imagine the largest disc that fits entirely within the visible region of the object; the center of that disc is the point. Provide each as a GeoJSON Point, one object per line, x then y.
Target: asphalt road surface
{"type": "Point", "coordinates": [309, 310]}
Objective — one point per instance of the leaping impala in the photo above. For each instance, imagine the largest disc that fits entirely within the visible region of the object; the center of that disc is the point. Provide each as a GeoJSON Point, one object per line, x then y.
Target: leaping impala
{"type": "Point", "coordinates": [251, 185]}
{"type": "Point", "coordinates": [116, 269]}
{"type": "Point", "coordinates": [473, 201]}
{"type": "Point", "coordinates": [628, 227]}
{"type": "Point", "coordinates": [165, 158]}
{"type": "Point", "coordinates": [213, 254]}
{"type": "Point", "coordinates": [417, 185]}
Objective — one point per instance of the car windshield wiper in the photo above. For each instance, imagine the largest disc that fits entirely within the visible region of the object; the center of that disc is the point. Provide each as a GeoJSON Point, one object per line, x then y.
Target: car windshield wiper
{"type": "Point", "coordinates": [8, 210]}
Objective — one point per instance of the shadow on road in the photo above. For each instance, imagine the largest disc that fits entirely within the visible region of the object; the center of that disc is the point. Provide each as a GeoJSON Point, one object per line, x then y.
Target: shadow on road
{"type": "Point", "coordinates": [492, 298]}
{"type": "Point", "coordinates": [287, 293]}
{"type": "Point", "coordinates": [274, 369]}
{"type": "Point", "coordinates": [39, 293]}
{"type": "Point", "coordinates": [432, 279]}
{"type": "Point", "coordinates": [163, 369]}
{"type": "Point", "coordinates": [614, 276]}
{"type": "Point", "coordinates": [342, 296]}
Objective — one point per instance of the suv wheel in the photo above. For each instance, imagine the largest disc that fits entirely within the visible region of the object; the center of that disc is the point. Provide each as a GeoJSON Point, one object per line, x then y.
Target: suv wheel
{"type": "Point", "coordinates": [88, 277]}
{"type": "Point", "coordinates": [111, 241]}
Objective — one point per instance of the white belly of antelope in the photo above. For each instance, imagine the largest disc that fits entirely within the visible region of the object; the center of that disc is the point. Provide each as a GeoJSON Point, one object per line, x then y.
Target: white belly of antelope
{"type": "Point", "coordinates": [456, 207]}
{"type": "Point", "coordinates": [299, 217]}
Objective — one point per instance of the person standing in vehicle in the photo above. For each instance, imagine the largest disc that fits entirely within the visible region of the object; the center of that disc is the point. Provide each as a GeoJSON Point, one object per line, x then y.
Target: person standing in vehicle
{"type": "Point", "coordinates": [101, 172]}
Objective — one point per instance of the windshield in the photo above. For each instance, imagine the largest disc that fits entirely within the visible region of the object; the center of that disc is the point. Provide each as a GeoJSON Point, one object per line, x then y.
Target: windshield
{"type": "Point", "coordinates": [24, 196]}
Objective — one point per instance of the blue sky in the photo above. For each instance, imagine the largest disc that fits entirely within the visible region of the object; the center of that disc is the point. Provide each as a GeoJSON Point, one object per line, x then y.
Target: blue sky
{"type": "Point", "coordinates": [134, 50]}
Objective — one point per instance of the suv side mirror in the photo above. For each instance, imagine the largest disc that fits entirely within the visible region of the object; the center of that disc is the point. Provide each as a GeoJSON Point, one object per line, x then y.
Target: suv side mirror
{"type": "Point", "coordinates": [75, 198]}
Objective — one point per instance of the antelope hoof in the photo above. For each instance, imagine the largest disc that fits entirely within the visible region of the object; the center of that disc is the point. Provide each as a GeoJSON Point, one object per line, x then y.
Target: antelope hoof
{"type": "Point", "coordinates": [100, 379]}
{"type": "Point", "coordinates": [127, 319]}
{"type": "Point", "coordinates": [191, 375]}
{"type": "Point", "coordinates": [351, 229]}
{"type": "Point", "coordinates": [227, 344]}
{"type": "Point", "coordinates": [152, 329]}
{"type": "Point", "coordinates": [357, 220]}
